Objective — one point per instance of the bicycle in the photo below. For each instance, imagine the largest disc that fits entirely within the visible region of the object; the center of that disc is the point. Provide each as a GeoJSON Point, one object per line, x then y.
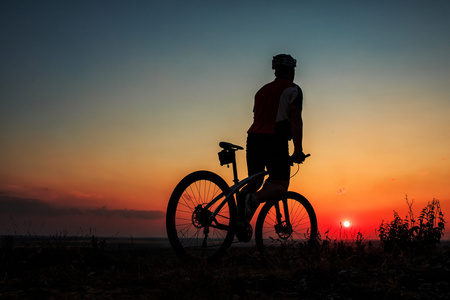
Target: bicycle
{"type": "Point", "coordinates": [202, 215]}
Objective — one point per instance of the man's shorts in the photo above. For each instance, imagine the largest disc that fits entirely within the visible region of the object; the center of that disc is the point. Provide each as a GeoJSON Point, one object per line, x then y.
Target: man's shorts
{"type": "Point", "coordinates": [268, 151]}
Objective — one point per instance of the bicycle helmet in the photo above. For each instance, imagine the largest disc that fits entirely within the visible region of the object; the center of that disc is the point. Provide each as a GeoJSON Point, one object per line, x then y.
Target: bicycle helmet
{"type": "Point", "coordinates": [283, 61]}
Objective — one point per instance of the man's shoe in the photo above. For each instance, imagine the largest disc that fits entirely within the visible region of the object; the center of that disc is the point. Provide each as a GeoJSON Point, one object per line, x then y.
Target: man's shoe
{"type": "Point", "coordinates": [244, 231]}
{"type": "Point", "coordinates": [250, 206]}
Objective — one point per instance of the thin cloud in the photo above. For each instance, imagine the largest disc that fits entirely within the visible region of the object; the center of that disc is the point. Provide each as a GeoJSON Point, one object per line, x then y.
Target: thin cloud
{"type": "Point", "coordinates": [37, 207]}
{"type": "Point", "coordinates": [37, 192]}
{"type": "Point", "coordinates": [79, 194]}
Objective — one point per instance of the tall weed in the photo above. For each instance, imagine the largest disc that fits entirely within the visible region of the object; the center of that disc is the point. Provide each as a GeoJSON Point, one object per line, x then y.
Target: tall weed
{"type": "Point", "coordinates": [410, 232]}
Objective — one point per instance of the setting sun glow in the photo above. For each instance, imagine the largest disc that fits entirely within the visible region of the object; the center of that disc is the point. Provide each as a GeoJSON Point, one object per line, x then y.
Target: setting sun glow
{"type": "Point", "coordinates": [346, 224]}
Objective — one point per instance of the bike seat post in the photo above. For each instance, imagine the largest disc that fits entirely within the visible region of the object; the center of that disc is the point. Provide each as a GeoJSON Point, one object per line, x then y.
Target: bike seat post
{"type": "Point", "coordinates": [235, 174]}
{"type": "Point", "coordinates": [228, 155]}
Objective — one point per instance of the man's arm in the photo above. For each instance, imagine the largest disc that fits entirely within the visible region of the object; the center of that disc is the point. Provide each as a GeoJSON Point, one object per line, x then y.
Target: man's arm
{"type": "Point", "coordinates": [297, 128]}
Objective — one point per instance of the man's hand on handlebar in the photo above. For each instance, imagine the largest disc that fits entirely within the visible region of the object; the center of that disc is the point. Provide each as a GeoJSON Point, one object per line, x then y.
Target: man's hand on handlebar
{"type": "Point", "coordinates": [298, 158]}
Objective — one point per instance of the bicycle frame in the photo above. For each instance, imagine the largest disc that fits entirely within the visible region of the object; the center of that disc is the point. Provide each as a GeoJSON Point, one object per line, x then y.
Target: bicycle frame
{"type": "Point", "coordinates": [235, 190]}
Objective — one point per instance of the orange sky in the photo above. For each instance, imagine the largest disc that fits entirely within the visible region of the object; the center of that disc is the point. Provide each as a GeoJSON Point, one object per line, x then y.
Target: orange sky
{"type": "Point", "coordinates": [100, 119]}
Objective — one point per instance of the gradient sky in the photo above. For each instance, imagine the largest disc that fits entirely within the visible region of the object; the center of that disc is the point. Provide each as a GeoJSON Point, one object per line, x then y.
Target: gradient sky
{"type": "Point", "coordinates": [106, 105]}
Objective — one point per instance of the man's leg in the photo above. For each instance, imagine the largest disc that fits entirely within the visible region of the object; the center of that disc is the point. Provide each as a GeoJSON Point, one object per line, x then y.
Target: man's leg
{"type": "Point", "coordinates": [250, 199]}
{"type": "Point", "coordinates": [279, 170]}
{"type": "Point", "coordinates": [252, 187]}
{"type": "Point", "coordinates": [272, 190]}
{"type": "Point", "coordinates": [255, 164]}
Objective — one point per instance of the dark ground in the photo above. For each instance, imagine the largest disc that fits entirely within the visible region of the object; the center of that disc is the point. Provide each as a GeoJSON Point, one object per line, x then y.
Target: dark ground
{"type": "Point", "coordinates": [335, 271]}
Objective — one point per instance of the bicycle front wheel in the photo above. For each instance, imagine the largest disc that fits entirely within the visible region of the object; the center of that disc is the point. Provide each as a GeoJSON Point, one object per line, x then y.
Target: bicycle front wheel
{"type": "Point", "coordinates": [193, 233]}
{"type": "Point", "coordinates": [273, 230]}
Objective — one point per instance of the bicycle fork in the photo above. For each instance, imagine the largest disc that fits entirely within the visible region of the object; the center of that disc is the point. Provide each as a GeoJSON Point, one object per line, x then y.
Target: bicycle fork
{"type": "Point", "coordinates": [283, 228]}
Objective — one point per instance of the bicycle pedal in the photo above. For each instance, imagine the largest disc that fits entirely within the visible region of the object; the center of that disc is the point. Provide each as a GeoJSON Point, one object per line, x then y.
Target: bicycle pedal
{"type": "Point", "coordinates": [244, 232]}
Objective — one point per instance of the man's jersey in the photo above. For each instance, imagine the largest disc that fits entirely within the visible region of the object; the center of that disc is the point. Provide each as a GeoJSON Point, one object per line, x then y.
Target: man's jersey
{"type": "Point", "coordinates": [272, 107]}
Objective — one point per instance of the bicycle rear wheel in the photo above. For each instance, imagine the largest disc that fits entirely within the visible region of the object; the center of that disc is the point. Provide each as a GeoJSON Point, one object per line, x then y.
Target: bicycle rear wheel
{"type": "Point", "coordinates": [273, 232]}
{"type": "Point", "coordinates": [192, 233]}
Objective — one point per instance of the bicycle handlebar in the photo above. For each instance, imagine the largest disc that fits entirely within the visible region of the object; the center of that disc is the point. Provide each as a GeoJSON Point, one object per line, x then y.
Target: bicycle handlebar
{"type": "Point", "coordinates": [229, 147]}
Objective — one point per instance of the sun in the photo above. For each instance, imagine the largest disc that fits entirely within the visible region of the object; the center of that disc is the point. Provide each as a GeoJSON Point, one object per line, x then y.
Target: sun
{"type": "Point", "coordinates": [346, 224]}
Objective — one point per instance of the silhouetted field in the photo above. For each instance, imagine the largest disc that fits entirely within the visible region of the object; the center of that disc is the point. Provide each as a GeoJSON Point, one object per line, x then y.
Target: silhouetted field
{"type": "Point", "coordinates": [98, 269]}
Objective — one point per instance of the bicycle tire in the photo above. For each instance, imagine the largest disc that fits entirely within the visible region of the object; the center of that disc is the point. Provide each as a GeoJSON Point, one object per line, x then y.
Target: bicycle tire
{"type": "Point", "coordinates": [185, 233]}
{"type": "Point", "coordinates": [302, 217]}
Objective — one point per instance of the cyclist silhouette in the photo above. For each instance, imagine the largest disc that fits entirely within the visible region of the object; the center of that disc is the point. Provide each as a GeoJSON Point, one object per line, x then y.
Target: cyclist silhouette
{"type": "Point", "coordinates": [277, 119]}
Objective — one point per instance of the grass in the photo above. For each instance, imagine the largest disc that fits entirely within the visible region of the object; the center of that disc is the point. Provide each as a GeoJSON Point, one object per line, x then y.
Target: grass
{"type": "Point", "coordinates": [335, 269]}
{"type": "Point", "coordinates": [325, 269]}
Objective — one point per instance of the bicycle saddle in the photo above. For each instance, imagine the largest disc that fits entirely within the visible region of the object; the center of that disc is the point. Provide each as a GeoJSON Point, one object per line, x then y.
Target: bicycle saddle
{"type": "Point", "coordinates": [229, 146]}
